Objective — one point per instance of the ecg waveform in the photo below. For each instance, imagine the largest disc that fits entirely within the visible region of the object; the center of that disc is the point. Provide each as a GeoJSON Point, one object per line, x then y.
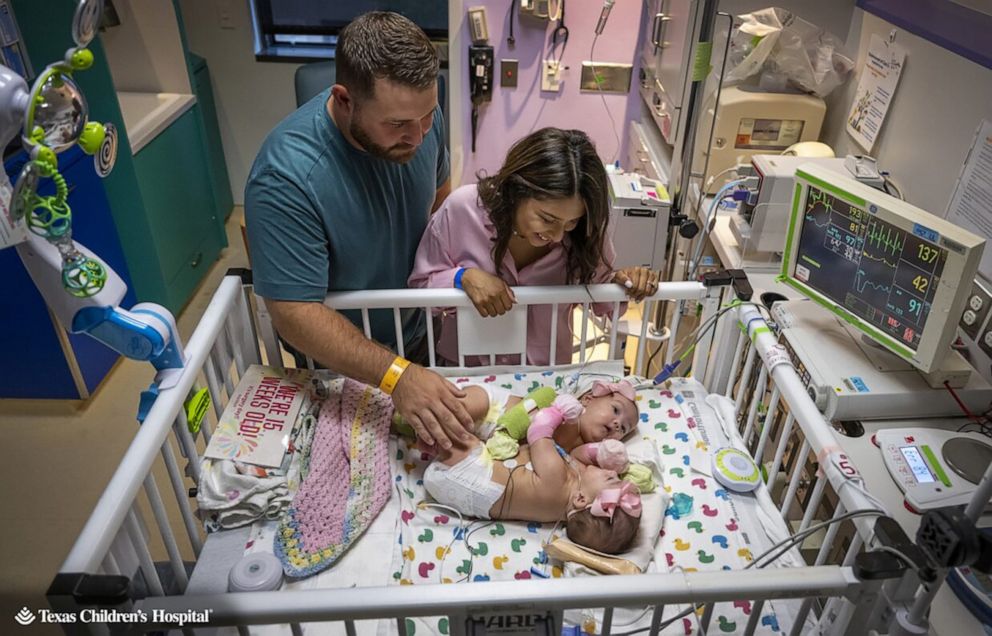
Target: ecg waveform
{"type": "Point", "coordinates": [885, 239]}
{"type": "Point", "coordinates": [819, 198]}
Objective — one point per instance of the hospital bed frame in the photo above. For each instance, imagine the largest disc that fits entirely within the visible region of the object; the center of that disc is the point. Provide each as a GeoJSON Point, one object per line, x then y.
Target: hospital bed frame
{"type": "Point", "coordinates": [115, 546]}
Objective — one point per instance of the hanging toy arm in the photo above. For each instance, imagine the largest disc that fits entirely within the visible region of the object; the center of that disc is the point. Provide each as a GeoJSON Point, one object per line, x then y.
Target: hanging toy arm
{"type": "Point", "coordinates": [81, 289]}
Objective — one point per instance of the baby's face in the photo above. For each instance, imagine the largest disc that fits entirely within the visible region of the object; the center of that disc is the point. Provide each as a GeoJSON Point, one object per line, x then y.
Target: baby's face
{"type": "Point", "coordinates": [608, 417]}
{"type": "Point", "coordinates": [595, 480]}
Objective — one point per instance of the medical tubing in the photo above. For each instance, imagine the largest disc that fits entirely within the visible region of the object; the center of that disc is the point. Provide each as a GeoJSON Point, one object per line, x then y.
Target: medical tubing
{"type": "Point", "coordinates": [710, 214]}
{"type": "Point", "coordinates": [700, 332]}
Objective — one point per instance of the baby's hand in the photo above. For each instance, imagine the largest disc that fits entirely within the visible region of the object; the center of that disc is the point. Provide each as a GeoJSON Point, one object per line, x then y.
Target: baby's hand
{"type": "Point", "coordinates": [610, 454]}
{"type": "Point", "coordinates": [565, 407]}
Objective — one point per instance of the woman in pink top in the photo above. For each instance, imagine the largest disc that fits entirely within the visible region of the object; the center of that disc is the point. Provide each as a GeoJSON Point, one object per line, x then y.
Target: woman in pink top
{"type": "Point", "coordinates": [543, 219]}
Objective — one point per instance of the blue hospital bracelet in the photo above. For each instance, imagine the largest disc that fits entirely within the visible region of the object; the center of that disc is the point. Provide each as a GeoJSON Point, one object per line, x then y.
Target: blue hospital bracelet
{"type": "Point", "coordinates": [458, 277]}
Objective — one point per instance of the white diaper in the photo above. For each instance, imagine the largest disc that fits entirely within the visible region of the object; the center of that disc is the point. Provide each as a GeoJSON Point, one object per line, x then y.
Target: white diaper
{"type": "Point", "coordinates": [467, 486]}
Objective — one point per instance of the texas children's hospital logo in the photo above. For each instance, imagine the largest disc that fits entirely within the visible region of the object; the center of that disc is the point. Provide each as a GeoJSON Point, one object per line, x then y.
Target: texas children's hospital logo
{"type": "Point", "coordinates": [111, 616]}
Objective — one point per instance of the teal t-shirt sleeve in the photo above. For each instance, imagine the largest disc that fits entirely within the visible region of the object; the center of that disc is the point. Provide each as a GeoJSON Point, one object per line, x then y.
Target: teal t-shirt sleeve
{"type": "Point", "coordinates": [286, 242]}
{"type": "Point", "coordinates": [443, 165]}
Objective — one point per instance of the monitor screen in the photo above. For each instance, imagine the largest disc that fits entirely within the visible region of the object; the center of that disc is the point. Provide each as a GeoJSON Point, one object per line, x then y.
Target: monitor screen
{"type": "Point", "coordinates": [897, 273]}
{"type": "Point", "coordinates": [916, 464]}
{"type": "Point", "coordinates": [885, 275]}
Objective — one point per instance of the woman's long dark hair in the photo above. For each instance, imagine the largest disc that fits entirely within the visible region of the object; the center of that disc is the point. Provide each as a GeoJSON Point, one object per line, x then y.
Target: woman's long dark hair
{"type": "Point", "coordinates": [552, 163]}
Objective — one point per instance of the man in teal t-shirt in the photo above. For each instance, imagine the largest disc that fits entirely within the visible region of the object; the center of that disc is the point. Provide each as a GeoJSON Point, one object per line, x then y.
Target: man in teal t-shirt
{"type": "Point", "coordinates": [338, 199]}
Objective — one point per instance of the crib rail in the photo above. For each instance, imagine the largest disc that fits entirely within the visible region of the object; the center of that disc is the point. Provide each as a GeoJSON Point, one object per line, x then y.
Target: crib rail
{"type": "Point", "coordinates": [514, 324]}
{"type": "Point", "coordinates": [763, 381]}
{"type": "Point", "coordinates": [116, 539]}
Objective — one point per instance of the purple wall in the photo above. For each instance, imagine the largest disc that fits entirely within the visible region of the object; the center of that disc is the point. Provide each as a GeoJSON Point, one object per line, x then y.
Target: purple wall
{"type": "Point", "coordinates": [515, 112]}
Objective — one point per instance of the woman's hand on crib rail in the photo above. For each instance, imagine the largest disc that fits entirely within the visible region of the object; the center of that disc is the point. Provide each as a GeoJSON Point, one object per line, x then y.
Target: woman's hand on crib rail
{"type": "Point", "coordinates": [490, 294]}
{"type": "Point", "coordinates": [432, 406]}
{"type": "Point", "coordinates": [639, 281]}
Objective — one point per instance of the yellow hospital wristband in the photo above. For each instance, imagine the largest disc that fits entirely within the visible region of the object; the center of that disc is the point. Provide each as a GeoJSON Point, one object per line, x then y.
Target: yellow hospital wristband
{"type": "Point", "coordinates": [392, 375]}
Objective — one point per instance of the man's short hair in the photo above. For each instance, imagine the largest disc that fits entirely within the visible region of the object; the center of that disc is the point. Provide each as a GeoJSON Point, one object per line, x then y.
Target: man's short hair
{"type": "Point", "coordinates": [383, 44]}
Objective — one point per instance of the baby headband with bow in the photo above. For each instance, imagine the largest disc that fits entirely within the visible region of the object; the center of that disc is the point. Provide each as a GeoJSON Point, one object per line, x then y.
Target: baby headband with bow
{"type": "Point", "coordinates": [625, 497]}
{"type": "Point", "coordinates": [623, 388]}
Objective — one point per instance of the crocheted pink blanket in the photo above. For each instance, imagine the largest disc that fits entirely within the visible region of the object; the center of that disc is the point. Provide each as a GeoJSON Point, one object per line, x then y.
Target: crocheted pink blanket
{"type": "Point", "coordinates": [347, 483]}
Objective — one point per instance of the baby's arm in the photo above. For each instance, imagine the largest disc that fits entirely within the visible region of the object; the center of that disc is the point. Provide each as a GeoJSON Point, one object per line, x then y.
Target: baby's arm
{"type": "Point", "coordinates": [610, 454]}
{"type": "Point", "coordinates": [549, 466]}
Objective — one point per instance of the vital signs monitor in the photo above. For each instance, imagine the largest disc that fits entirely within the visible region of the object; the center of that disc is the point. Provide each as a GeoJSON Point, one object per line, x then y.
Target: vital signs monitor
{"type": "Point", "coordinates": [895, 272]}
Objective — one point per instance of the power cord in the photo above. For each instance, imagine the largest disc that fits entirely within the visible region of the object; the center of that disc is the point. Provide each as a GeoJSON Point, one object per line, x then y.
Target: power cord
{"type": "Point", "coordinates": [599, 89]}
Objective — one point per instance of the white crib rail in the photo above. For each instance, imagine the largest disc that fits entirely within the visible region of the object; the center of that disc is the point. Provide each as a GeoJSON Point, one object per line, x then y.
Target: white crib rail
{"type": "Point", "coordinates": [775, 369]}
{"type": "Point", "coordinates": [431, 299]}
{"type": "Point", "coordinates": [115, 538]}
{"type": "Point", "coordinates": [213, 337]}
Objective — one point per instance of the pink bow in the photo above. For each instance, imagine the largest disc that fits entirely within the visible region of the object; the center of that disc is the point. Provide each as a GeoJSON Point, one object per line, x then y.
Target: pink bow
{"type": "Point", "coordinates": [627, 497]}
{"type": "Point", "coordinates": [600, 389]}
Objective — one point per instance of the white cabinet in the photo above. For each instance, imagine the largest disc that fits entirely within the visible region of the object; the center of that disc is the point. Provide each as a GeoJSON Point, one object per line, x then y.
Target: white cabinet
{"type": "Point", "coordinates": [665, 61]}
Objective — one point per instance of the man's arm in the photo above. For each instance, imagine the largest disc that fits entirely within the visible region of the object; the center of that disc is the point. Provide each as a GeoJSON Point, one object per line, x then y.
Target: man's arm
{"type": "Point", "coordinates": [442, 194]}
{"type": "Point", "coordinates": [426, 400]}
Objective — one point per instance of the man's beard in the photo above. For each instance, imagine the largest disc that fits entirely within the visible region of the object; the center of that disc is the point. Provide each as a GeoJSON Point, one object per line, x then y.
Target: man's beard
{"type": "Point", "coordinates": [399, 153]}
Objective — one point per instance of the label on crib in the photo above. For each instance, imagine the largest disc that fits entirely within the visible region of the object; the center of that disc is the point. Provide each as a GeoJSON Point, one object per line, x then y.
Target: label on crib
{"type": "Point", "coordinates": [257, 424]}
{"type": "Point", "coordinates": [778, 355]}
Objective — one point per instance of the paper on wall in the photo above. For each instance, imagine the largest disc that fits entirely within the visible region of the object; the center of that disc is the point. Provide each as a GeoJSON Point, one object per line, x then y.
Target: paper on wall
{"type": "Point", "coordinates": [879, 78]}
{"type": "Point", "coordinates": [971, 203]}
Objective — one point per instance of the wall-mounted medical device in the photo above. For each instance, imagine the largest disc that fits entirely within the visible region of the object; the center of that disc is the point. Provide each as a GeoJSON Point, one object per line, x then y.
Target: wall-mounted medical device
{"type": "Point", "coordinates": [639, 210]}
{"type": "Point", "coordinates": [750, 122]}
{"type": "Point", "coordinates": [478, 26]}
{"type": "Point", "coordinates": [541, 9]}
{"type": "Point", "coordinates": [898, 274]}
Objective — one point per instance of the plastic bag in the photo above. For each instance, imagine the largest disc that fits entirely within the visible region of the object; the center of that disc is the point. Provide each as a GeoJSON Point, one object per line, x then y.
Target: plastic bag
{"type": "Point", "coordinates": [775, 49]}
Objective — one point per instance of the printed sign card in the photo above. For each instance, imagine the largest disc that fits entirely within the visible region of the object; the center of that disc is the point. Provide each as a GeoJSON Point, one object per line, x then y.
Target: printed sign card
{"type": "Point", "coordinates": [258, 423]}
{"type": "Point", "coordinates": [879, 78]}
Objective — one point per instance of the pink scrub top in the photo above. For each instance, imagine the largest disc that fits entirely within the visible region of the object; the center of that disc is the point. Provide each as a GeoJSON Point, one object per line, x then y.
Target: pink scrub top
{"type": "Point", "coordinates": [460, 234]}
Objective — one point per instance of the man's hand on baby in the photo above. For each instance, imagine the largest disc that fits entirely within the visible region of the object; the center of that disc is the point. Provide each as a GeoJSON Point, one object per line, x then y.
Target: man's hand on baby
{"type": "Point", "coordinates": [430, 404]}
{"type": "Point", "coordinates": [490, 294]}
{"type": "Point", "coordinates": [639, 281]}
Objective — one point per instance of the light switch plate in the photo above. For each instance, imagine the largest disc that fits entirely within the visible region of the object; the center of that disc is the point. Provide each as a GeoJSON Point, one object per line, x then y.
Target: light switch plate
{"type": "Point", "coordinates": [508, 73]}
{"type": "Point", "coordinates": [612, 78]}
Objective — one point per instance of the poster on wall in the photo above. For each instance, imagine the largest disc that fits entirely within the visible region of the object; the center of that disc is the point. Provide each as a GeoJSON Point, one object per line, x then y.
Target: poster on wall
{"type": "Point", "coordinates": [971, 204]}
{"type": "Point", "coordinates": [879, 78]}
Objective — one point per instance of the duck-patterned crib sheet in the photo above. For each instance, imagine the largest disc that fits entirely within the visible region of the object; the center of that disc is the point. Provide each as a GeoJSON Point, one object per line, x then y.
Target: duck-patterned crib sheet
{"type": "Point", "coordinates": [706, 527]}
{"type": "Point", "coordinates": [718, 530]}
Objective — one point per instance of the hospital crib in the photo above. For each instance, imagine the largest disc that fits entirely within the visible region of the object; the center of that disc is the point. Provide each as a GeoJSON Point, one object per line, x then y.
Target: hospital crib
{"type": "Point", "coordinates": [115, 546]}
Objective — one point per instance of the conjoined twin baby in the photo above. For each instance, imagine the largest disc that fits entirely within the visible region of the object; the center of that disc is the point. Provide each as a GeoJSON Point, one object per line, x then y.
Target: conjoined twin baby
{"type": "Point", "coordinates": [570, 468]}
